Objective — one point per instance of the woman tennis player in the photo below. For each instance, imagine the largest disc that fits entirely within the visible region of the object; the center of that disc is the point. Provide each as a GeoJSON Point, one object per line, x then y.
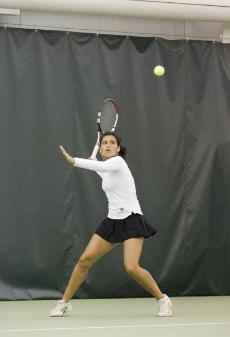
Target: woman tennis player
{"type": "Point", "coordinates": [124, 224]}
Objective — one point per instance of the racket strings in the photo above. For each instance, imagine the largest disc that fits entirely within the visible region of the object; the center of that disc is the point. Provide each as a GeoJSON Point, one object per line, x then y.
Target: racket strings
{"type": "Point", "coordinates": [108, 117]}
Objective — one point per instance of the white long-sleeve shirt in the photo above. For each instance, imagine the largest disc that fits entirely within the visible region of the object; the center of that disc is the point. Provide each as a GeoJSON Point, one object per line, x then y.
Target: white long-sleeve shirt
{"type": "Point", "coordinates": [117, 183]}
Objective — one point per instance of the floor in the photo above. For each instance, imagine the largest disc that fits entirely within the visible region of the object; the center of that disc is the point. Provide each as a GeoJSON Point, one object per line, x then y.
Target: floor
{"type": "Point", "coordinates": [193, 317]}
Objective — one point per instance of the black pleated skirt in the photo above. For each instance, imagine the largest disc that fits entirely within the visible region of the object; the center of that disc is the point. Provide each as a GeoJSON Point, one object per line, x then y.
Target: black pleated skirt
{"type": "Point", "coordinates": [119, 230]}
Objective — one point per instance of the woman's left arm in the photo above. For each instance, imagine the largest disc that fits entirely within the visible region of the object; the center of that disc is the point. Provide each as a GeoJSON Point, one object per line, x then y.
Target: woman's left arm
{"type": "Point", "coordinates": [67, 156]}
{"type": "Point", "coordinates": [112, 164]}
{"type": "Point", "coordinates": [109, 165]}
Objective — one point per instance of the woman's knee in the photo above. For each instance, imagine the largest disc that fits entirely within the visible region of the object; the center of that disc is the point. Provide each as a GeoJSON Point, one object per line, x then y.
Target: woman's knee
{"type": "Point", "coordinates": [131, 269]}
{"type": "Point", "coordinates": [85, 261]}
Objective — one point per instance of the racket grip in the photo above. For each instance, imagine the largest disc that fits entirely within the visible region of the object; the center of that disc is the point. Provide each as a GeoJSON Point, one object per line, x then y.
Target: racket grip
{"type": "Point", "coordinates": [95, 151]}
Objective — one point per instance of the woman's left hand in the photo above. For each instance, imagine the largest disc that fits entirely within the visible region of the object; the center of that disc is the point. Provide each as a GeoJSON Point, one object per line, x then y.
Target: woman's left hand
{"type": "Point", "coordinates": [67, 156]}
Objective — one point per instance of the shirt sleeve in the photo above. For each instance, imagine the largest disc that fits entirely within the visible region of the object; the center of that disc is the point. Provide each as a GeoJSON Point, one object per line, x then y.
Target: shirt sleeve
{"type": "Point", "coordinates": [109, 165]}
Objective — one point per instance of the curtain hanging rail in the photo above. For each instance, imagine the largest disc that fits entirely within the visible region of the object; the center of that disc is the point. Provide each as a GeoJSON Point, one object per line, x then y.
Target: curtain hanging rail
{"type": "Point", "coordinates": [107, 32]}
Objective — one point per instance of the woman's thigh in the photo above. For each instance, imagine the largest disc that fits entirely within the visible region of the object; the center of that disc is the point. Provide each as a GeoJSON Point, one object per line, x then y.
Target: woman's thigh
{"type": "Point", "coordinates": [97, 248]}
{"type": "Point", "coordinates": [132, 251]}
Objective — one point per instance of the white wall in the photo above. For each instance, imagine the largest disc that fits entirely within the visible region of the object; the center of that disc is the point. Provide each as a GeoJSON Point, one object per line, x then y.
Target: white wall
{"type": "Point", "coordinates": [128, 25]}
{"type": "Point", "coordinates": [170, 29]}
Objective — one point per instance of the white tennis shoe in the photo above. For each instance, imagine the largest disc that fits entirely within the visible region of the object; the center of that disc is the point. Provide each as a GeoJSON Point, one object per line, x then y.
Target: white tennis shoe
{"type": "Point", "coordinates": [165, 307]}
{"type": "Point", "coordinates": [60, 309]}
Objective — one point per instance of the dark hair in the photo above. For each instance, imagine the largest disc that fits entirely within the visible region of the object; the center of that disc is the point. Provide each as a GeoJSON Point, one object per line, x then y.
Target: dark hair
{"type": "Point", "coordinates": [123, 150]}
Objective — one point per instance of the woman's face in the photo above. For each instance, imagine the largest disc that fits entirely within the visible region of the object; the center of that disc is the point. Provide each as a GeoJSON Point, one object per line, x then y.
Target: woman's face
{"type": "Point", "coordinates": [109, 147]}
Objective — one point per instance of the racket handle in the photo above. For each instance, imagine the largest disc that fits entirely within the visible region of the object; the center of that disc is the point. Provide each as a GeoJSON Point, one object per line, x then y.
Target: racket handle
{"type": "Point", "coordinates": [95, 151]}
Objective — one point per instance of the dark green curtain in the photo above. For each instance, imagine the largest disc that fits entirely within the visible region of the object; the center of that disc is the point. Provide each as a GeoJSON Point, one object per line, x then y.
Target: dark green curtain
{"type": "Point", "coordinates": [176, 129]}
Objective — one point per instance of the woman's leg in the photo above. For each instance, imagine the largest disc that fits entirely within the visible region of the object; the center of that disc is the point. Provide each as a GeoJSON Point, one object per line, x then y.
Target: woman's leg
{"type": "Point", "coordinates": [96, 248]}
{"type": "Point", "coordinates": [132, 253]}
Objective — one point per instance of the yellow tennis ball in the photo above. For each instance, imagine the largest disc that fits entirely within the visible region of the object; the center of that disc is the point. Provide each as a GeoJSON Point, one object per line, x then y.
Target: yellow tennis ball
{"type": "Point", "coordinates": [159, 70]}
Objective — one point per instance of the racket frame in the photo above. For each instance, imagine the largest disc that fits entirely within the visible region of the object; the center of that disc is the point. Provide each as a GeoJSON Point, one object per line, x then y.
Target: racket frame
{"type": "Point", "coordinates": [99, 130]}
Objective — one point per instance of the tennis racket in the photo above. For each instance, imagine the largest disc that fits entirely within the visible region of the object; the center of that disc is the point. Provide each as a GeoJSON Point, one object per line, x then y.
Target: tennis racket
{"type": "Point", "coordinates": [107, 118]}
